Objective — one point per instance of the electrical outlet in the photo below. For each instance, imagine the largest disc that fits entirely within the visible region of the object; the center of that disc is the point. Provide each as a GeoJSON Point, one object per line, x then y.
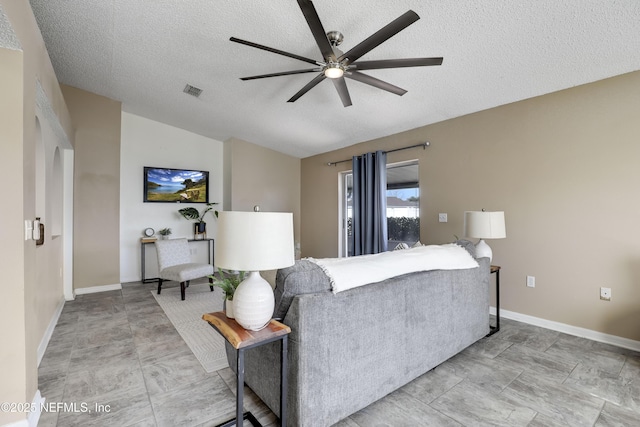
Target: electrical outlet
{"type": "Point", "coordinates": [531, 281]}
{"type": "Point", "coordinates": [442, 217]}
{"type": "Point", "coordinates": [605, 294]}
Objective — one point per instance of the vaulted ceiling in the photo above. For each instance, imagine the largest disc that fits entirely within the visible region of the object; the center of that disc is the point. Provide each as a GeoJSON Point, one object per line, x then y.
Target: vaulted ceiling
{"type": "Point", "coordinates": [143, 53]}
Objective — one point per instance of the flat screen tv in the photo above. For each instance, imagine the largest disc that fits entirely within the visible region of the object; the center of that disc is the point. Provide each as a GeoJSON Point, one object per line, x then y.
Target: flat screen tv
{"type": "Point", "coordinates": [175, 185]}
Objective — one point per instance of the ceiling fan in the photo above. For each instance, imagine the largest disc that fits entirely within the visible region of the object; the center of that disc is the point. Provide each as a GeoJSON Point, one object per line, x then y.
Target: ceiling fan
{"type": "Point", "coordinates": [337, 65]}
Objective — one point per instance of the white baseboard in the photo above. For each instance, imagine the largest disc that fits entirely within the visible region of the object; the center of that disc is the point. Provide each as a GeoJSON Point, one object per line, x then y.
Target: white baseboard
{"type": "Point", "coordinates": [34, 416]}
{"type": "Point", "coordinates": [44, 342]}
{"type": "Point", "coordinates": [94, 289]}
{"type": "Point", "coordinates": [130, 279]}
{"type": "Point", "coordinates": [569, 329]}
{"type": "Point", "coordinates": [21, 423]}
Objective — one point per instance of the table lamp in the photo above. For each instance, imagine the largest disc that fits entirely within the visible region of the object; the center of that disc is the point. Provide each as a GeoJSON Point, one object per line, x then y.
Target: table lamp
{"type": "Point", "coordinates": [254, 241]}
{"type": "Point", "coordinates": [484, 225]}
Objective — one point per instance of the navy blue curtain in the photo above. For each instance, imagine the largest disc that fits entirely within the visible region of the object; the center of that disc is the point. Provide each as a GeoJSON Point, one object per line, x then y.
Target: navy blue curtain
{"type": "Point", "coordinates": [369, 203]}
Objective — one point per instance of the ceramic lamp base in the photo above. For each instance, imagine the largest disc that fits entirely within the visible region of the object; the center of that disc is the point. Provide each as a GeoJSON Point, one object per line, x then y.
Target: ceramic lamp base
{"type": "Point", "coordinates": [483, 250]}
{"type": "Point", "coordinates": [253, 302]}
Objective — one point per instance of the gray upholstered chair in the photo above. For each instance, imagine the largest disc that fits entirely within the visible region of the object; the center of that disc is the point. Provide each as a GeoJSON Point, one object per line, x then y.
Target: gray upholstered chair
{"type": "Point", "coordinates": [174, 263]}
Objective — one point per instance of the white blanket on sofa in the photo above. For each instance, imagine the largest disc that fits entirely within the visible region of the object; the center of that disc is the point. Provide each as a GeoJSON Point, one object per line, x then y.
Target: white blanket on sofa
{"type": "Point", "coordinates": [348, 273]}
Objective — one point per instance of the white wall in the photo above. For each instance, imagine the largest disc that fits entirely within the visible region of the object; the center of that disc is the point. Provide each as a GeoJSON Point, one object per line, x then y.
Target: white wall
{"type": "Point", "coordinates": [145, 142]}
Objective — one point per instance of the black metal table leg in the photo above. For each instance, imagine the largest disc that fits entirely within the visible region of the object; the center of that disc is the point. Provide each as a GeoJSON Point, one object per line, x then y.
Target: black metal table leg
{"type": "Point", "coordinates": [497, 300]}
{"type": "Point", "coordinates": [240, 414]}
{"type": "Point", "coordinates": [246, 416]}
{"type": "Point", "coordinates": [240, 384]}
{"type": "Point", "coordinates": [283, 382]}
{"type": "Point", "coordinates": [142, 261]}
{"type": "Point", "coordinates": [493, 329]}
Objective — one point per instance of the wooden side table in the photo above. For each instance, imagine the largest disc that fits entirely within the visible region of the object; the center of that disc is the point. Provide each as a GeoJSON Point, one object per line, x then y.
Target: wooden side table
{"type": "Point", "coordinates": [242, 339]}
{"type": "Point", "coordinates": [493, 329]}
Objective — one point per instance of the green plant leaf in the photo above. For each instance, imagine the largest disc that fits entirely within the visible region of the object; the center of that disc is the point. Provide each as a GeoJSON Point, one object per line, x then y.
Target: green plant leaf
{"type": "Point", "coordinates": [192, 213]}
{"type": "Point", "coordinates": [227, 282]}
{"type": "Point", "coordinates": [189, 213]}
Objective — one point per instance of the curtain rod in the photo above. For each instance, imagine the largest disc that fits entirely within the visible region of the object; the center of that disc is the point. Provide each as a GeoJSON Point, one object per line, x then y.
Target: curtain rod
{"type": "Point", "coordinates": [424, 146]}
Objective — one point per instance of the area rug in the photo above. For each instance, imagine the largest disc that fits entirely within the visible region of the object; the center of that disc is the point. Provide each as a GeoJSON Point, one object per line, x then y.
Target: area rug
{"type": "Point", "coordinates": [205, 343]}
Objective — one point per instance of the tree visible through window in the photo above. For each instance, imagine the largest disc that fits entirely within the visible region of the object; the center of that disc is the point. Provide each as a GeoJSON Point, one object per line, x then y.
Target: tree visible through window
{"type": "Point", "coordinates": [403, 206]}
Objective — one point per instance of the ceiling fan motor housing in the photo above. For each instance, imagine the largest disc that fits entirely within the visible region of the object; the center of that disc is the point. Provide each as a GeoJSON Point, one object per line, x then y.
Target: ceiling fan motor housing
{"type": "Point", "coordinates": [335, 38]}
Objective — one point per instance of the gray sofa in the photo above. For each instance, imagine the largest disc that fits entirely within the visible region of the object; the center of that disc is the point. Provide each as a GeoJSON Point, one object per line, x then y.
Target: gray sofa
{"type": "Point", "coordinates": [350, 349]}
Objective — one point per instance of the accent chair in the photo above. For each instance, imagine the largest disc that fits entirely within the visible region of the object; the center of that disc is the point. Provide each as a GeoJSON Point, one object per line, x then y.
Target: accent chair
{"type": "Point", "coordinates": [174, 262]}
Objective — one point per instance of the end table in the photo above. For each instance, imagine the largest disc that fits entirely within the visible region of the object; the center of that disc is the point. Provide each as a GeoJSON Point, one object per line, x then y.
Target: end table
{"type": "Point", "coordinates": [493, 329]}
{"type": "Point", "coordinates": [242, 339]}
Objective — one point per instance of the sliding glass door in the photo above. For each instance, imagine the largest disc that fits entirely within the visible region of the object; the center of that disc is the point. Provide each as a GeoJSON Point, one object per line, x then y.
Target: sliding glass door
{"type": "Point", "coordinates": [403, 206]}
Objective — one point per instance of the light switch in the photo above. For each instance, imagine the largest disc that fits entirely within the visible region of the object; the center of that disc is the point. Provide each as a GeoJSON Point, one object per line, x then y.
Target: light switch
{"type": "Point", "coordinates": [531, 281]}
{"type": "Point", "coordinates": [28, 229]}
{"type": "Point", "coordinates": [442, 217]}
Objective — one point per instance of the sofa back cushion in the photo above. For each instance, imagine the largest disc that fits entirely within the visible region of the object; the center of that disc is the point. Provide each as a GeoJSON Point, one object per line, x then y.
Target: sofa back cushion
{"type": "Point", "coordinates": [304, 277]}
{"type": "Point", "coordinates": [469, 246]}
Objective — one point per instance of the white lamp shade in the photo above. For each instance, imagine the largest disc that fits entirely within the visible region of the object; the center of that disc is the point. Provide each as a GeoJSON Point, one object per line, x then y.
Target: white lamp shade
{"type": "Point", "coordinates": [484, 225]}
{"type": "Point", "coordinates": [254, 241]}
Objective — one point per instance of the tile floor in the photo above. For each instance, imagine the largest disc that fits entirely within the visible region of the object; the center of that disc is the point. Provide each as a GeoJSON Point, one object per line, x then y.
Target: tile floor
{"type": "Point", "coordinates": [119, 350]}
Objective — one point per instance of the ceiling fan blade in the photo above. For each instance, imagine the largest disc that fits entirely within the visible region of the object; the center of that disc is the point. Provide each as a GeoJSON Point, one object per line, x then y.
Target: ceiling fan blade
{"type": "Point", "coordinates": [320, 77]}
{"type": "Point", "coordinates": [279, 52]}
{"type": "Point", "coordinates": [379, 37]}
{"type": "Point", "coordinates": [283, 73]}
{"type": "Point", "coordinates": [396, 63]}
{"type": "Point", "coordinates": [313, 20]}
{"type": "Point", "coordinates": [341, 87]}
{"type": "Point", "coordinates": [364, 78]}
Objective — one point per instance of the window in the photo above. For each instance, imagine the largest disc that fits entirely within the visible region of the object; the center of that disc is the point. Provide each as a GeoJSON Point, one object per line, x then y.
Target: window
{"type": "Point", "coordinates": [403, 206]}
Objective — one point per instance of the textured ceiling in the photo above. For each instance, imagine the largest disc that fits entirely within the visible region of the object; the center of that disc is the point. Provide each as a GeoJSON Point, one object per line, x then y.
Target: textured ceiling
{"type": "Point", "coordinates": [495, 52]}
{"type": "Point", "coordinates": [8, 38]}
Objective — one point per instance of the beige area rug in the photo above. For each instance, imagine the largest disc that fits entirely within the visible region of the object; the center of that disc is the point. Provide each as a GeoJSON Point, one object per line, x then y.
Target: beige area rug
{"type": "Point", "coordinates": [205, 343]}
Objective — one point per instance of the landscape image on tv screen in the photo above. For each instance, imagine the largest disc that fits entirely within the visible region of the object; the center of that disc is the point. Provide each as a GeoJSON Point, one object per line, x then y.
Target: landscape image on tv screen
{"type": "Point", "coordinates": [176, 185]}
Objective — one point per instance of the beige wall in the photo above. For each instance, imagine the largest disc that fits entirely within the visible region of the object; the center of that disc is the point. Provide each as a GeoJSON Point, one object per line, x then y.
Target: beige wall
{"type": "Point", "coordinates": [13, 358]}
{"type": "Point", "coordinates": [96, 219]}
{"type": "Point", "coordinates": [564, 169]}
{"type": "Point", "coordinates": [255, 175]}
{"type": "Point", "coordinates": [21, 332]}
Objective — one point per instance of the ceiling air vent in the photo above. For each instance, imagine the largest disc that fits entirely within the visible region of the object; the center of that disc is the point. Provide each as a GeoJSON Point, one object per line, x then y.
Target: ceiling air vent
{"type": "Point", "coordinates": [192, 90]}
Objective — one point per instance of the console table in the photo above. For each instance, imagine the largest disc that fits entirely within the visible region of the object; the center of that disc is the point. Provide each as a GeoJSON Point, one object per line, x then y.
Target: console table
{"type": "Point", "coordinates": [143, 251]}
{"type": "Point", "coordinates": [242, 339]}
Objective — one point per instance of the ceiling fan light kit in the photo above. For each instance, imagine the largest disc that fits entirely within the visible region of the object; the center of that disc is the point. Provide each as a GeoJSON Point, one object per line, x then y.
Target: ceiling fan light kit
{"type": "Point", "coordinates": [333, 71]}
{"type": "Point", "coordinates": [336, 65]}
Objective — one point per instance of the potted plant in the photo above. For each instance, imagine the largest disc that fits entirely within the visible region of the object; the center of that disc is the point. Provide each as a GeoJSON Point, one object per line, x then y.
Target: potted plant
{"type": "Point", "coordinates": [228, 283]}
{"type": "Point", "coordinates": [164, 233]}
{"type": "Point", "coordinates": [200, 227]}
